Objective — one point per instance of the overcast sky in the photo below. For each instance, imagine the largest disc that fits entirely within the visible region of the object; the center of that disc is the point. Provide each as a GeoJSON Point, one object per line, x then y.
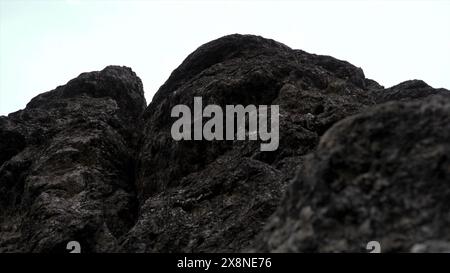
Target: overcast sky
{"type": "Point", "coordinates": [44, 44]}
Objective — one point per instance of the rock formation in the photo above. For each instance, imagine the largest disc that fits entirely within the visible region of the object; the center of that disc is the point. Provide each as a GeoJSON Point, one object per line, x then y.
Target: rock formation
{"type": "Point", "coordinates": [379, 175]}
{"type": "Point", "coordinates": [69, 168]}
{"type": "Point", "coordinates": [356, 162]}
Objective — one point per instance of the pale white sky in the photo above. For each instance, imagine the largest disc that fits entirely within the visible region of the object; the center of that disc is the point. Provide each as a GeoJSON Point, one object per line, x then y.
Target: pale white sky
{"type": "Point", "coordinates": [44, 44]}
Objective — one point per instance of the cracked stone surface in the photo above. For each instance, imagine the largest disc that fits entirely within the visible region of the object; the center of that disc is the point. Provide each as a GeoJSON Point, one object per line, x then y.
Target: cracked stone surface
{"type": "Point", "coordinates": [91, 162]}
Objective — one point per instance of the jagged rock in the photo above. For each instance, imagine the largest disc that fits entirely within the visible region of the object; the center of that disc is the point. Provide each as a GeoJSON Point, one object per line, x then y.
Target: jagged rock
{"type": "Point", "coordinates": [89, 162]}
{"type": "Point", "coordinates": [68, 170]}
{"type": "Point", "coordinates": [380, 175]}
{"type": "Point", "coordinates": [216, 196]}
{"type": "Point", "coordinates": [408, 90]}
{"type": "Point", "coordinates": [244, 69]}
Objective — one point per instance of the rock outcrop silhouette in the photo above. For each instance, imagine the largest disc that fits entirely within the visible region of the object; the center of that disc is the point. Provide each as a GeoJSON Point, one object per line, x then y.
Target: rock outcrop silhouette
{"type": "Point", "coordinates": [90, 162]}
{"type": "Point", "coordinates": [68, 171]}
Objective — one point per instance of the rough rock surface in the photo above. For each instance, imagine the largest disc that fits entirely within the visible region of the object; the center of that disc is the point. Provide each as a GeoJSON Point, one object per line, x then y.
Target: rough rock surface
{"type": "Point", "coordinates": [89, 162]}
{"type": "Point", "coordinates": [216, 196]}
{"type": "Point", "coordinates": [380, 175]}
{"type": "Point", "coordinates": [408, 90]}
{"type": "Point", "coordinates": [68, 170]}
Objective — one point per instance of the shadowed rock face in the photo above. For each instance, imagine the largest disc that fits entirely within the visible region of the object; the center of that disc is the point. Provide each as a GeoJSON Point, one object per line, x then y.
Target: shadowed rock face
{"type": "Point", "coordinates": [89, 162]}
{"type": "Point", "coordinates": [69, 169]}
{"type": "Point", "coordinates": [313, 92]}
{"type": "Point", "coordinates": [216, 196]}
{"type": "Point", "coordinates": [408, 90]}
{"type": "Point", "coordinates": [380, 175]}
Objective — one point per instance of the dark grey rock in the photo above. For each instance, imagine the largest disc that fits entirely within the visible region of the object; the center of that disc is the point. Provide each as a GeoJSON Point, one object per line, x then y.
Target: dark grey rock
{"type": "Point", "coordinates": [216, 196]}
{"type": "Point", "coordinates": [68, 173]}
{"type": "Point", "coordinates": [90, 162]}
{"type": "Point", "coordinates": [408, 90]}
{"type": "Point", "coordinates": [382, 175]}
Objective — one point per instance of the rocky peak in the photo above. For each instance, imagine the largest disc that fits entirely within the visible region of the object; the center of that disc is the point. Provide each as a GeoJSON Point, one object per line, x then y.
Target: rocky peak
{"type": "Point", "coordinates": [220, 51]}
{"type": "Point", "coordinates": [116, 82]}
{"type": "Point", "coordinates": [84, 163]}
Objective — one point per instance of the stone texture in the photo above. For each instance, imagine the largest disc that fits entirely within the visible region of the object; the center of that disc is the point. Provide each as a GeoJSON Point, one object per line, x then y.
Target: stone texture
{"type": "Point", "coordinates": [380, 175]}
{"type": "Point", "coordinates": [89, 161]}
{"type": "Point", "coordinates": [68, 173]}
{"type": "Point", "coordinates": [216, 196]}
{"type": "Point", "coordinates": [408, 90]}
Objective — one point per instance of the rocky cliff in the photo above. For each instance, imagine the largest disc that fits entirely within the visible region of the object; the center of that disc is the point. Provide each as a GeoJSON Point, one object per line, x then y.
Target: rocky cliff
{"type": "Point", "coordinates": [356, 162]}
